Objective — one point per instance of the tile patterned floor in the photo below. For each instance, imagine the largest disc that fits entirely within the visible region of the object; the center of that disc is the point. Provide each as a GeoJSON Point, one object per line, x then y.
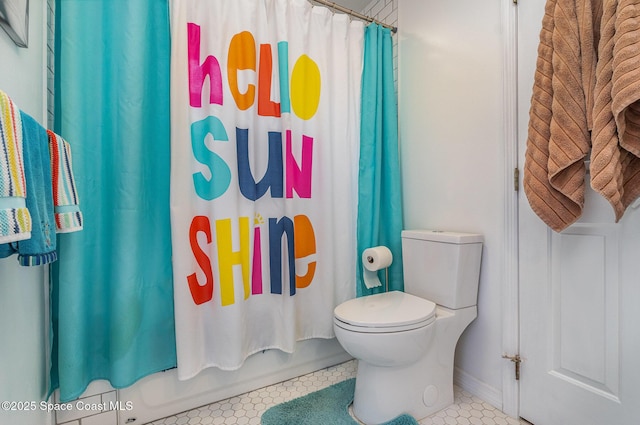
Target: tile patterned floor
{"type": "Point", "coordinates": [246, 409]}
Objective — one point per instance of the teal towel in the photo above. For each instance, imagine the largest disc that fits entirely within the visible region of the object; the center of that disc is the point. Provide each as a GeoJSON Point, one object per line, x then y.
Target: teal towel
{"type": "Point", "coordinates": [41, 248]}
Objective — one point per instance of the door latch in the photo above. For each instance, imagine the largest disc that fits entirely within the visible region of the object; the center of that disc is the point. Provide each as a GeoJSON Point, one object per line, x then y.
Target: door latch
{"type": "Point", "coordinates": [516, 362]}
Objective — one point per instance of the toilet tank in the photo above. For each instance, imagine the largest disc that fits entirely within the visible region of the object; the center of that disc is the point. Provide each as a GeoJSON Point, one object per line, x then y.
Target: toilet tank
{"type": "Point", "coordinates": [443, 267]}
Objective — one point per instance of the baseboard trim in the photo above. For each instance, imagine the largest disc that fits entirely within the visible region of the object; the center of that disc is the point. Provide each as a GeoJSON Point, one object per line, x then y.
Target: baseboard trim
{"type": "Point", "coordinates": [472, 385]}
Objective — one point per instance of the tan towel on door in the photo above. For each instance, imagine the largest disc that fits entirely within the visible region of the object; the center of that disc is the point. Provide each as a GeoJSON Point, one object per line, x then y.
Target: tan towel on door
{"type": "Point", "coordinates": [615, 166]}
{"type": "Point", "coordinates": [559, 139]}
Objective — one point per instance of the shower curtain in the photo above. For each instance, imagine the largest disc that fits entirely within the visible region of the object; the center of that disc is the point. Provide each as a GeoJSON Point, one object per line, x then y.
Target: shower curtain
{"type": "Point", "coordinates": [380, 195]}
{"type": "Point", "coordinates": [112, 300]}
{"type": "Point", "coordinates": [265, 120]}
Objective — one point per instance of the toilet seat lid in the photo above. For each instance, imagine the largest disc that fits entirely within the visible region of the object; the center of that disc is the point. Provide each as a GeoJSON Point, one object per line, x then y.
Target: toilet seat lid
{"type": "Point", "coordinates": [387, 310]}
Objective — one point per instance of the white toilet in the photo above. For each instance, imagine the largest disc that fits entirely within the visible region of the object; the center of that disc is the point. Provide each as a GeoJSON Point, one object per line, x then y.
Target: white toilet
{"type": "Point", "coordinates": [405, 341]}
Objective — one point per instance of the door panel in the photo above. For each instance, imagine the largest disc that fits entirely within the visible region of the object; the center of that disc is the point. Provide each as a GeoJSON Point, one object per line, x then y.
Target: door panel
{"type": "Point", "coordinates": [585, 307]}
{"type": "Point", "coordinates": [579, 295]}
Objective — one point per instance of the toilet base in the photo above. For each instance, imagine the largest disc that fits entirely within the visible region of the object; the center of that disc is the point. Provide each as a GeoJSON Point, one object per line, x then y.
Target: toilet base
{"type": "Point", "coordinates": [419, 389]}
{"type": "Point", "coordinates": [384, 393]}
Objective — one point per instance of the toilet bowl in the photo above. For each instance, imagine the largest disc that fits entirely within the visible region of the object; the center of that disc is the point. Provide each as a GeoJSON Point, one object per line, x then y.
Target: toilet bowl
{"type": "Point", "coordinates": [405, 342]}
{"type": "Point", "coordinates": [389, 329]}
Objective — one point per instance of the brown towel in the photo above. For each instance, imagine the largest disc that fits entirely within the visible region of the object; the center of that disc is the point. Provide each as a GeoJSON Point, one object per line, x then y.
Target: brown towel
{"type": "Point", "coordinates": [615, 166]}
{"type": "Point", "coordinates": [559, 139]}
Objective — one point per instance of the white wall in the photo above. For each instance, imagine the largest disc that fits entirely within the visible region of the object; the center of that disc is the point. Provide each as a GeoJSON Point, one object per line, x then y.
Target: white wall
{"type": "Point", "coordinates": [451, 141]}
{"type": "Point", "coordinates": [22, 290]}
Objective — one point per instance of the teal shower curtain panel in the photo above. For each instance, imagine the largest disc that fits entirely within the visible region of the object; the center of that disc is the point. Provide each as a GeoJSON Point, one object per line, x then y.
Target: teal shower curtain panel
{"type": "Point", "coordinates": [379, 182]}
{"type": "Point", "coordinates": [112, 299]}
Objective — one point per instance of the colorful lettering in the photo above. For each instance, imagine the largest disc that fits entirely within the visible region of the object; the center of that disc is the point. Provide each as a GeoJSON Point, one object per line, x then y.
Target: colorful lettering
{"type": "Point", "coordinates": [283, 70]}
{"type": "Point", "coordinates": [304, 241]}
{"type": "Point", "coordinates": [242, 56]}
{"type": "Point", "coordinates": [200, 293]}
{"type": "Point", "coordinates": [305, 88]}
{"type": "Point", "coordinates": [299, 178]}
{"type": "Point", "coordinates": [252, 80]}
{"type": "Point", "coordinates": [266, 106]}
{"type": "Point", "coordinates": [227, 258]}
{"type": "Point", "coordinates": [278, 229]}
{"type": "Point", "coordinates": [272, 178]}
{"type": "Point", "coordinates": [214, 187]}
{"type": "Point", "coordinates": [256, 271]}
{"type": "Point", "coordinates": [300, 245]}
{"type": "Point", "coordinates": [198, 72]}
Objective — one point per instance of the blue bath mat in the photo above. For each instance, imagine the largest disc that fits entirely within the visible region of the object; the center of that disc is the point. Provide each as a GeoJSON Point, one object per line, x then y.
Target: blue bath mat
{"type": "Point", "coordinates": [329, 406]}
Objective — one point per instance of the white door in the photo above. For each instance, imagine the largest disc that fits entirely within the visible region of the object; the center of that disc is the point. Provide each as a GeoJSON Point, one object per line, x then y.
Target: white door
{"type": "Point", "coordinates": [579, 295]}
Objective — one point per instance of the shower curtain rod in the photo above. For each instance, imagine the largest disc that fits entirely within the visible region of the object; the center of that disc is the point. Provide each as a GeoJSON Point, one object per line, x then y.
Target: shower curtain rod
{"type": "Point", "coordinates": [355, 14]}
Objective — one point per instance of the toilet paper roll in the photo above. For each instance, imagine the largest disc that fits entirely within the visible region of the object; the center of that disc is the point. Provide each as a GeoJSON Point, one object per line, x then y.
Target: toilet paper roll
{"type": "Point", "coordinates": [377, 257]}
{"type": "Point", "coordinates": [371, 279]}
{"type": "Point", "coordinates": [374, 259]}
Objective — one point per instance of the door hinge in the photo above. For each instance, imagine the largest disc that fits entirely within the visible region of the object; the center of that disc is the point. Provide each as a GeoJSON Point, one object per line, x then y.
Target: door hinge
{"type": "Point", "coordinates": [515, 1]}
{"type": "Point", "coordinates": [516, 179]}
{"type": "Point", "coordinates": [516, 362]}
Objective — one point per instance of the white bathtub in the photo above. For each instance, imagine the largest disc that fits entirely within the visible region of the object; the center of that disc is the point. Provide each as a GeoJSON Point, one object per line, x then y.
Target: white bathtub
{"type": "Point", "coordinates": [162, 394]}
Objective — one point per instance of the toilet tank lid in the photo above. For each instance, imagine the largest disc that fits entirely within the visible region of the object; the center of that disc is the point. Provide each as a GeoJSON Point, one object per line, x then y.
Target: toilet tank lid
{"type": "Point", "coordinates": [440, 236]}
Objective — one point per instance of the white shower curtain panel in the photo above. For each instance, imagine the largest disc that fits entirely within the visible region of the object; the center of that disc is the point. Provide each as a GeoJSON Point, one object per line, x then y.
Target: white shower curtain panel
{"type": "Point", "coordinates": [265, 118]}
